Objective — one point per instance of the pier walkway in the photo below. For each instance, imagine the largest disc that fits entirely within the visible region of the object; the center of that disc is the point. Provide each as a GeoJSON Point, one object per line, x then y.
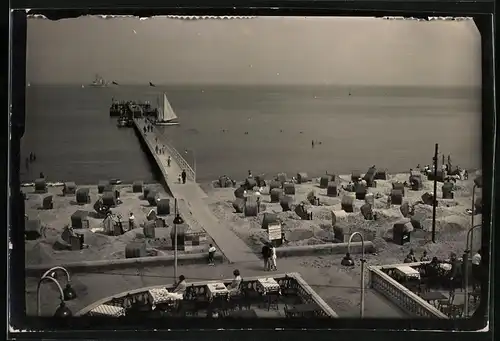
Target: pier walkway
{"type": "Point", "coordinates": [233, 248]}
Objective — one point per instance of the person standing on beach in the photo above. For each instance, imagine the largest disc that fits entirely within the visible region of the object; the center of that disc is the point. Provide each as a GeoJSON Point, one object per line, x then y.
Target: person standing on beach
{"type": "Point", "coordinates": [183, 175]}
{"type": "Point", "coordinates": [131, 221]}
{"type": "Point", "coordinates": [211, 253]}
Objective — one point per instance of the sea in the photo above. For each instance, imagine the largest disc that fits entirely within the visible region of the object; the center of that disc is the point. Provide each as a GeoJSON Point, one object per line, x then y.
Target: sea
{"type": "Point", "coordinates": [228, 130]}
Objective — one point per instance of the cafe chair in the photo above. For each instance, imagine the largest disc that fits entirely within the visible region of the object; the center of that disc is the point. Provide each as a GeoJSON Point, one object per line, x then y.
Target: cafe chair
{"type": "Point", "coordinates": [446, 305]}
{"type": "Point", "coordinates": [237, 300]}
{"type": "Point", "coordinates": [251, 296]}
{"type": "Point", "coordinates": [273, 299]}
{"type": "Point", "coordinates": [219, 305]}
{"type": "Point", "coordinates": [424, 285]}
{"type": "Point", "coordinates": [456, 311]}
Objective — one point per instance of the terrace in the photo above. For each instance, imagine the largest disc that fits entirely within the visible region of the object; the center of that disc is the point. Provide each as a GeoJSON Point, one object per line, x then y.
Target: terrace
{"type": "Point", "coordinates": [289, 297]}
{"type": "Point", "coordinates": [417, 289]}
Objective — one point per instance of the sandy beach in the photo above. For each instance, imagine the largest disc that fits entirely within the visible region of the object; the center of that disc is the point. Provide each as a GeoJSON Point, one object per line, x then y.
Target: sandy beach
{"type": "Point", "coordinates": [101, 246]}
{"type": "Point", "coordinates": [452, 220]}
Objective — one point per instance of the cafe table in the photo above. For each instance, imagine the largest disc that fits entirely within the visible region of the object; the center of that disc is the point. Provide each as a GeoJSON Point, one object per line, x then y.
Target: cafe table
{"type": "Point", "coordinates": [107, 310]}
{"type": "Point", "coordinates": [433, 297]}
{"type": "Point", "coordinates": [216, 289]}
{"type": "Point", "coordinates": [267, 285]}
{"type": "Point", "coordinates": [408, 272]}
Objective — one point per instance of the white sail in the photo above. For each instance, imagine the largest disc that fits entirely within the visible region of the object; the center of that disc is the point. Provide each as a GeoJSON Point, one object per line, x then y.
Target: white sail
{"type": "Point", "coordinates": [168, 112]}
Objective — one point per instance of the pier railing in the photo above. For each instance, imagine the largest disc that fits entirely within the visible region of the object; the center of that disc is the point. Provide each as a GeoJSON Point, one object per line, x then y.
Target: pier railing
{"type": "Point", "coordinates": [176, 156]}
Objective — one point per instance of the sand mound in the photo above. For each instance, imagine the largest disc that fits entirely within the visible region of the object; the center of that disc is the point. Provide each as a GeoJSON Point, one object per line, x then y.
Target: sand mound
{"type": "Point", "coordinates": [388, 215]}
{"type": "Point", "coordinates": [95, 240]}
{"type": "Point", "coordinates": [325, 235]}
{"type": "Point", "coordinates": [298, 235]}
{"type": "Point", "coordinates": [38, 253]}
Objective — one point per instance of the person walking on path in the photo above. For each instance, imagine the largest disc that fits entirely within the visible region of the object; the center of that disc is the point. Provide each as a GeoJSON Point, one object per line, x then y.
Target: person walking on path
{"type": "Point", "coordinates": [274, 265]}
{"type": "Point", "coordinates": [156, 149]}
{"type": "Point", "coordinates": [183, 175]}
{"type": "Point", "coordinates": [169, 161]}
{"type": "Point", "coordinates": [131, 221]}
{"type": "Point", "coordinates": [211, 253]}
{"type": "Point", "coordinates": [266, 254]}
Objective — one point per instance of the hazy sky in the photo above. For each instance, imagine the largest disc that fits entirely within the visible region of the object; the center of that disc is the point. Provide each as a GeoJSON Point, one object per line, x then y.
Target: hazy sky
{"type": "Point", "coordinates": [351, 51]}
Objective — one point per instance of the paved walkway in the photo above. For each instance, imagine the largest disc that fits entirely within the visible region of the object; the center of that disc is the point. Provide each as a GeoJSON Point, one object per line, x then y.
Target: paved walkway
{"type": "Point", "coordinates": [233, 248]}
{"type": "Point", "coordinates": [338, 289]}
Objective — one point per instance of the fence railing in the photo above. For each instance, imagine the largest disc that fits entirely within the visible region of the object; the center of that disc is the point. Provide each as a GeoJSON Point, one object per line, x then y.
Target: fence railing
{"type": "Point", "coordinates": [176, 156]}
{"type": "Point", "coordinates": [400, 295]}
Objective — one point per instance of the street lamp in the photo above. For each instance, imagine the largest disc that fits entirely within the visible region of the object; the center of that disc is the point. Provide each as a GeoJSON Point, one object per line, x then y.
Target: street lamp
{"type": "Point", "coordinates": [68, 292]}
{"type": "Point", "coordinates": [468, 248]}
{"type": "Point", "coordinates": [478, 183]}
{"type": "Point", "coordinates": [62, 310]}
{"type": "Point", "coordinates": [177, 221]}
{"type": "Point", "coordinates": [194, 161]}
{"type": "Point", "coordinates": [362, 304]}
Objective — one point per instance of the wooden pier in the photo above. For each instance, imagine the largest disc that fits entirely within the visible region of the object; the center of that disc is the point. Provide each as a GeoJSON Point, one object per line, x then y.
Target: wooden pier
{"type": "Point", "coordinates": [191, 197]}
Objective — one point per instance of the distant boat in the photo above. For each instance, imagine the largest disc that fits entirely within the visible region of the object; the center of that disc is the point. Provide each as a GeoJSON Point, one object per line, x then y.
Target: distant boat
{"type": "Point", "coordinates": [151, 84]}
{"type": "Point", "coordinates": [122, 122]}
{"type": "Point", "coordinates": [99, 82]}
{"type": "Point", "coordinates": [166, 114]}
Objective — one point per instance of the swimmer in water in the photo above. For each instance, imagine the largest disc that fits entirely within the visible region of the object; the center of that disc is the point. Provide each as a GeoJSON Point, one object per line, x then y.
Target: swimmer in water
{"type": "Point", "coordinates": [312, 143]}
{"type": "Point", "coordinates": [281, 130]}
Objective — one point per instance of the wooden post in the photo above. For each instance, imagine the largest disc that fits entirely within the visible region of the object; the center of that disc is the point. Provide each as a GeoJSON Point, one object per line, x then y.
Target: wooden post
{"type": "Point", "coordinates": [434, 201]}
{"type": "Point", "coordinates": [175, 240]}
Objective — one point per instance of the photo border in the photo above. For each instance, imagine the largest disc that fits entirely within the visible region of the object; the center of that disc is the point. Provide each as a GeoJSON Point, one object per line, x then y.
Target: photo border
{"type": "Point", "coordinates": [481, 11]}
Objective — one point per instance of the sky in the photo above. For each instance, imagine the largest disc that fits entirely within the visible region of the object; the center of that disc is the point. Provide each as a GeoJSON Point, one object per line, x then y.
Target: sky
{"type": "Point", "coordinates": [259, 51]}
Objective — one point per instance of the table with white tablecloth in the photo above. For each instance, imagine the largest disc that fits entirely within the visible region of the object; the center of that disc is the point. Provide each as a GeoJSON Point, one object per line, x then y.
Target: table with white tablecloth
{"type": "Point", "coordinates": [266, 285]}
{"type": "Point", "coordinates": [161, 296]}
{"type": "Point", "coordinates": [408, 272]}
{"type": "Point", "coordinates": [216, 289]}
{"type": "Point", "coordinates": [107, 310]}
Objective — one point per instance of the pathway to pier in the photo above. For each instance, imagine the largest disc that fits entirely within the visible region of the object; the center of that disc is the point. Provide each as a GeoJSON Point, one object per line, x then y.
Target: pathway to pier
{"type": "Point", "coordinates": [233, 248]}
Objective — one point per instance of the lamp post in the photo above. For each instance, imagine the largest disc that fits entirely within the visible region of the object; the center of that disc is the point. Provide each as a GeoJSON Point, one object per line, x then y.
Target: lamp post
{"type": "Point", "coordinates": [62, 310]}
{"type": "Point", "coordinates": [478, 183]}
{"type": "Point", "coordinates": [362, 304]}
{"type": "Point", "coordinates": [194, 161]}
{"type": "Point", "coordinates": [177, 221]}
{"type": "Point", "coordinates": [434, 199]}
{"type": "Point", "coordinates": [68, 291]}
{"type": "Point", "coordinates": [468, 248]}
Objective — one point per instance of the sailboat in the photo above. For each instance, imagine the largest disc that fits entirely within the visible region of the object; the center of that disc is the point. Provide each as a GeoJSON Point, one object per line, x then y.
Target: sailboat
{"type": "Point", "coordinates": [99, 82]}
{"type": "Point", "coordinates": [166, 115]}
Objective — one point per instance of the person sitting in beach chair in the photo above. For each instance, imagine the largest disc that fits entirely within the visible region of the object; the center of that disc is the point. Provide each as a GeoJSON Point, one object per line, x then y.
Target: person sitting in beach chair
{"type": "Point", "coordinates": [301, 211]}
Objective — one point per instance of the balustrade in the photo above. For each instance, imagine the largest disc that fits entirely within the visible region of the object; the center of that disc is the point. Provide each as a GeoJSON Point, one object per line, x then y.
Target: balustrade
{"type": "Point", "coordinates": [381, 281]}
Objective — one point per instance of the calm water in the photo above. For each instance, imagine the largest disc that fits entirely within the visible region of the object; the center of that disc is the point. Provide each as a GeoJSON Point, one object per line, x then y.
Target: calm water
{"type": "Point", "coordinates": [70, 130]}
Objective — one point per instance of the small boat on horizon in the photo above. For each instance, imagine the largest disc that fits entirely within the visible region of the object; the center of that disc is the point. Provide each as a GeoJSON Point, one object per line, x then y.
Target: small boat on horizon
{"type": "Point", "coordinates": [99, 82]}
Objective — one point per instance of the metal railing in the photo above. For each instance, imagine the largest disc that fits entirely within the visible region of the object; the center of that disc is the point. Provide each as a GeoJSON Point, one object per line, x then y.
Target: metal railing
{"type": "Point", "coordinates": [399, 294]}
{"type": "Point", "coordinates": [176, 156]}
